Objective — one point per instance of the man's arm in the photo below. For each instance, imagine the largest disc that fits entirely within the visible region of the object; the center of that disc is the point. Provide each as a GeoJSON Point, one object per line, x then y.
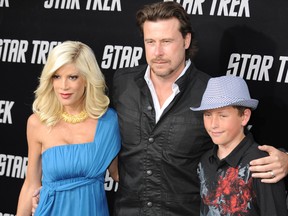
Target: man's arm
{"type": "Point", "coordinates": [113, 169]}
{"type": "Point", "coordinates": [275, 164]}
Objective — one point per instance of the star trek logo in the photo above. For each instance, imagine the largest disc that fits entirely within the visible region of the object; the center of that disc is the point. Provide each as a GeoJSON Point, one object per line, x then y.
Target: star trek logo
{"type": "Point", "coordinates": [99, 5]}
{"type": "Point", "coordinates": [257, 67]}
{"type": "Point", "coordinates": [13, 166]}
{"type": "Point", "coordinates": [121, 56]}
{"type": "Point", "coordinates": [5, 112]}
{"type": "Point", "coordinates": [227, 8]}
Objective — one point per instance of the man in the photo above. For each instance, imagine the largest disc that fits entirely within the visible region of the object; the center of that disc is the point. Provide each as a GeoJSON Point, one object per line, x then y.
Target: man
{"type": "Point", "coordinates": [162, 139]}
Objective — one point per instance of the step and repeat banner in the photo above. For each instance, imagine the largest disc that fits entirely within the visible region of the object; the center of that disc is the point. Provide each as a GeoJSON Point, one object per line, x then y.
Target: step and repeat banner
{"type": "Point", "coordinates": [247, 38]}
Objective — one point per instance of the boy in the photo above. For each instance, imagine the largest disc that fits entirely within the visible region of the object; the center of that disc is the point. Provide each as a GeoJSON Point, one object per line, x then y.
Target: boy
{"type": "Point", "coordinates": [227, 187]}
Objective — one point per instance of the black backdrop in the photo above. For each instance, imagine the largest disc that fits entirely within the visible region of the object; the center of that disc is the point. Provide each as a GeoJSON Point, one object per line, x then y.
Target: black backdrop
{"type": "Point", "coordinates": [240, 37]}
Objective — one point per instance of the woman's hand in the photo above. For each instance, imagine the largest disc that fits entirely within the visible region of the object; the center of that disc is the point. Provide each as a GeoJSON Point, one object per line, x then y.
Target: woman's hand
{"type": "Point", "coordinates": [35, 200]}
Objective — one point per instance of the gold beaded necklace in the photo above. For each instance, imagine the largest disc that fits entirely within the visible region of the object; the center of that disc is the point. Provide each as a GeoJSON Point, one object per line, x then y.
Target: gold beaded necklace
{"type": "Point", "coordinates": [73, 119]}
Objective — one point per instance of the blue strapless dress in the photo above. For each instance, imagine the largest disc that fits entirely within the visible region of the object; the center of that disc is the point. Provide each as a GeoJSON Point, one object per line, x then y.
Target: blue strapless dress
{"type": "Point", "coordinates": [73, 175]}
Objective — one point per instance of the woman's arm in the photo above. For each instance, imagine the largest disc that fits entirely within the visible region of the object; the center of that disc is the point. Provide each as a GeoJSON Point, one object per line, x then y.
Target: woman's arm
{"type": "Point", "coordinates": [33, 175]}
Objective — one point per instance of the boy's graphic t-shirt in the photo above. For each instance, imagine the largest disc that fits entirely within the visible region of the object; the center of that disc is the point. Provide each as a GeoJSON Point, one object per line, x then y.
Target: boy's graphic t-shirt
{"type": "Point", "coordinates": [227, 187]}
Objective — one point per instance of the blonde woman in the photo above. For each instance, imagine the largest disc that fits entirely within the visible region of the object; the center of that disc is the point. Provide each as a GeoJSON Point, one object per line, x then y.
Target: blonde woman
{"type": "Point", "coordinates": [73, 137]}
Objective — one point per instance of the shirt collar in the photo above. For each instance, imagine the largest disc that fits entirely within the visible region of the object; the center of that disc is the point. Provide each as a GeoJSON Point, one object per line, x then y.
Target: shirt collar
{"type": "Point", "coordinates": [235, 156]}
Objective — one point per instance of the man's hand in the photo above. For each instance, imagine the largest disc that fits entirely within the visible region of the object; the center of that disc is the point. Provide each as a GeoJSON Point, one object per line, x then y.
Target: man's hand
{"type": "Point", "coordinates": [35, 200]}
{"type": "Point", "coordinates": [272, 168]}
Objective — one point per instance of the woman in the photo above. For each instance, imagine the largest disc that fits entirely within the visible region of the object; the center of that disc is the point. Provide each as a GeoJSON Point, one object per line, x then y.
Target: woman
{"type": "Point", "coordinates": [72, 136]}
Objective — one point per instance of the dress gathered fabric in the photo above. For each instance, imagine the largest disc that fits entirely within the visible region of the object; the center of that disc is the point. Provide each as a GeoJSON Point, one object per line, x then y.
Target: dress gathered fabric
{"type": "Point", "coordinates": [73, 175]}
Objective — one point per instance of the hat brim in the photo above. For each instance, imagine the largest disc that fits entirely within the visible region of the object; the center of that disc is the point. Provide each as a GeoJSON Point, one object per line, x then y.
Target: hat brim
{"type": "Point", "coordinates": [251, 103]}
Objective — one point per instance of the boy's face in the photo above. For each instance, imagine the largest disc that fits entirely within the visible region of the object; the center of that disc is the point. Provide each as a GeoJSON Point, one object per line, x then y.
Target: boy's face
{"type": "Point", "coordinates": [225, 125]}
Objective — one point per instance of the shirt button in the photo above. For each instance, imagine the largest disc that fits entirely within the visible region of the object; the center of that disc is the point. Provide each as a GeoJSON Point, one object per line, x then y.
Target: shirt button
{"type": "Point", "coordinates": [149, 204]}
{"type": "Point", "coordinates": [149, 108]}
{"type": "Point", "coordinates": [151, 139]}
{"type": "Point", "coordinates": [149, 172]}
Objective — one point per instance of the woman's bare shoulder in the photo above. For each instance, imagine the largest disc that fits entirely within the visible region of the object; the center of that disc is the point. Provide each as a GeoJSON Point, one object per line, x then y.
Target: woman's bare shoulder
{"type": "Point", "coordinates": [34, 121]}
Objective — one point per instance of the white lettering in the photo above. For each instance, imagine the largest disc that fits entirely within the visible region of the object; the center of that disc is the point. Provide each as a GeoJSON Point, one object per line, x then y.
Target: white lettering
{"type": "Point", "coordinates": [13, 166]}
{"type": "Point", "coordinates": [248, 65]}
{"type": "Point", "coordinates": [232, 8]}
{"type": "Point", "coordinates": [103, 5]}
{"type": "Point", "coordinates": [62, 4]}
{"type": "Point", "coordinates": [129, 57]}
{"type": "Point", "coordinates": [5, 109]}
{"type": "Point", "coordinates": [109, 183]}
{"type": "Point", "coordinates": [13, 50]}
{"type": "Point", "coordinates": [192, 6]}
{"type": "Point", "coordinates": [283, 60]}
{"type": "Point", "coordinates": [6, 214]}
{"type": "Point", "coordinates": [41, 50]}
{"type": "Point", "coordinates": [4, 3]}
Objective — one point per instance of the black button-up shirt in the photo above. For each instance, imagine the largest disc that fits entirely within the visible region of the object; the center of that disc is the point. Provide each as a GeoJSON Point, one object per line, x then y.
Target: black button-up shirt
{"type": "Point", "coordinates": [158, 161]}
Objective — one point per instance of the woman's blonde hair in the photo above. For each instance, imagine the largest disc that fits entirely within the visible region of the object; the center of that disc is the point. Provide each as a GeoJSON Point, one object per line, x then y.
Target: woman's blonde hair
{"type": "Point", "coordinates": [47, 106]}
